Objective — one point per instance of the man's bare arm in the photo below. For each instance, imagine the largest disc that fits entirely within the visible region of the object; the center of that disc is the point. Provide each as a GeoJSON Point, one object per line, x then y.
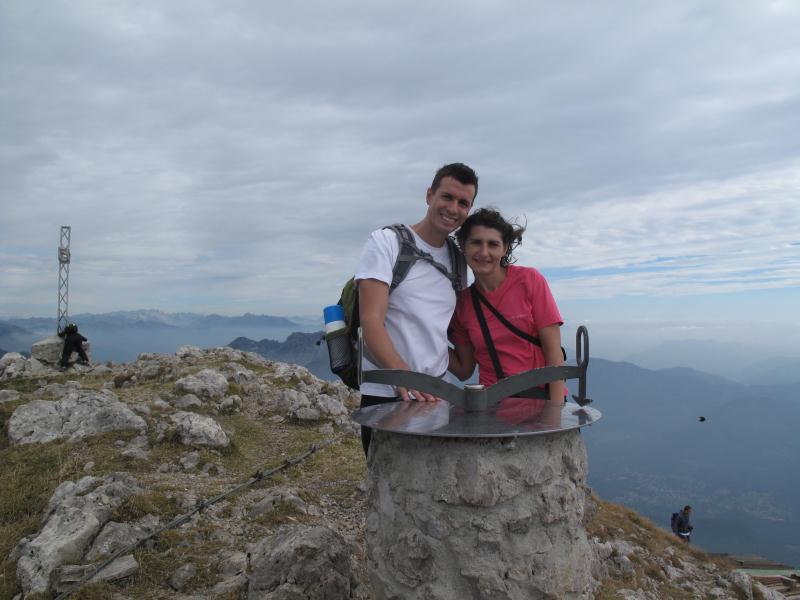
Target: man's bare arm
{"type": "Point", "coordinates": [373, 301]}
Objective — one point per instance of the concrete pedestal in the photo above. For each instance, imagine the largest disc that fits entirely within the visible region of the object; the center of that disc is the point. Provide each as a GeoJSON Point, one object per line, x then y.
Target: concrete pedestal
{"type": "Point", "coordinates": [469, 518]}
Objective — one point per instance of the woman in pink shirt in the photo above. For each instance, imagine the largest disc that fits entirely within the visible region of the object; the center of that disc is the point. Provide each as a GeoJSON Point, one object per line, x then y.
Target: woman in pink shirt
{"type": "Point", "coordinates": [522, 298]}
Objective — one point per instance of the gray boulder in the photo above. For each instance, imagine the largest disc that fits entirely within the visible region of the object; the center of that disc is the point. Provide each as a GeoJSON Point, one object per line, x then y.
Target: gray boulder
{"type": "Point", "coordinates": [11, 365]}
{"type": "Point", "coordinates": [189, 352]}
{"type": "Point", "coordinates": [181, 577]}
{"type": "Point", "coordinates": [80, 414]}
{"type": "Point", "coordinates": [310, 562]}
{"type": "Point", "coordinates": [199, 430]}
{"type": "Point", "coordinates": [8, 396]}
{"type": "Point", "coordinates": [115, 536]}
{"type": "Point", "coordinates": [65, 577]}
{"type": "Point", "coordinates": [76, 513]}
{"type": "Point", "coordinates": [280, 495]}
{"type": "Point", "coordinates": [208, 384]}
{"type": "Point", "coordinates": [231, 562]}
{"type": "Point", "coordinates": [188, 401]}
{"type": "Point", "coordinates": [48, 350]}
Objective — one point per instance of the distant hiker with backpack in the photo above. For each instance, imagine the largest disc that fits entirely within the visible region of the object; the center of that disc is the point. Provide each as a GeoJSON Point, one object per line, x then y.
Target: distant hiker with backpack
{"type": "Point", "coordinates": [681, 526]}
{"type": "Point", "coordinates": [507, 321]}
{"type": "Point", "coordinates": [73, 342]}
{"type": "Point", "coordinates": [405, 325]}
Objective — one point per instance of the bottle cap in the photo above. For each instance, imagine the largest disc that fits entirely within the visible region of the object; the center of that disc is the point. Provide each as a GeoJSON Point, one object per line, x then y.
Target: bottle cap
{"type": "Point", "coordinates": [332, 313]}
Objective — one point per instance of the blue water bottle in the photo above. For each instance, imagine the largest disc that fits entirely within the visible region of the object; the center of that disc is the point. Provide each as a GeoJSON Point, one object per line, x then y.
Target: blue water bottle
{"type": "Point", "coordinates": [337, 339]}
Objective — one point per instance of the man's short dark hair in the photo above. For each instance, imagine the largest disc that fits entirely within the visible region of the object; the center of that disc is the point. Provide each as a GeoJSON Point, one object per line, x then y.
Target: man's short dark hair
{"type": "Point", "coordinates": [458, 171]}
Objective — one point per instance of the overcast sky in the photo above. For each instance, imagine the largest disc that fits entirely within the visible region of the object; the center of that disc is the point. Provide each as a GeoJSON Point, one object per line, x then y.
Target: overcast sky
{"type": "Point", "coordinates": [233, 156]}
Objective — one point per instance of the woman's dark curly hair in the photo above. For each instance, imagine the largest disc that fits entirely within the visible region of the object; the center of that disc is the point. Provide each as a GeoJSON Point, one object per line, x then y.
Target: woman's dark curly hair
{"type": "Point", "coordinates": [511, 233]}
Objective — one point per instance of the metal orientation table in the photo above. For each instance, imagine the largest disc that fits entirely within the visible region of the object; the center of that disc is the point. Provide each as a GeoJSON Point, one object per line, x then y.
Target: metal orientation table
{"type": "Point", "coordinates": [515, 406]}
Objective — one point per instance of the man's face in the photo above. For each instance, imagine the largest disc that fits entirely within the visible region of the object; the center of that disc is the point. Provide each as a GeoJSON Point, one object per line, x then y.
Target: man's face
{"type": "Point", "coordinates": [449, 205]}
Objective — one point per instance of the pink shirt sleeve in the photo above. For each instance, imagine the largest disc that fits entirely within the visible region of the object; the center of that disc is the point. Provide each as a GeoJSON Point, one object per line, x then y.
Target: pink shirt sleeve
{"type": "Point", "coordinates": [457, 332]}
{"type": "Point", "coordinates": [545, 310]}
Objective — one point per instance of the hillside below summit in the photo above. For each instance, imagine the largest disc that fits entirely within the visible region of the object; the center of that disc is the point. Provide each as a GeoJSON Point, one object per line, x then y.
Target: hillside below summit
{"type": "Point", "coordinates": [96, 459]}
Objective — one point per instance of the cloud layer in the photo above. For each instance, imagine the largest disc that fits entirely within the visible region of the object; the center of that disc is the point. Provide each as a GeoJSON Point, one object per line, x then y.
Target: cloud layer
{"type": "Point", "coordinates": [233, 157]}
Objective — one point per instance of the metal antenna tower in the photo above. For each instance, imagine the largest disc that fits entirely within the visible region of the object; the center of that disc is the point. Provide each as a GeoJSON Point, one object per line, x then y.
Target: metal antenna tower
{"type": "Point", "coordinates": [63, 278]}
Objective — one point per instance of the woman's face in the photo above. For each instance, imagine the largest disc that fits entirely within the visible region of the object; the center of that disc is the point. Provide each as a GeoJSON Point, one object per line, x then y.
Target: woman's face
{"type": "Point", "coordinates": [484, 249]}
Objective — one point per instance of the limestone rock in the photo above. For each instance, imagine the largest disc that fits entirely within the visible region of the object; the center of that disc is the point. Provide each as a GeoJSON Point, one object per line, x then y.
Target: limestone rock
{"type": "Point", "coordinates": [59, 390]}
{"type": "Point", "coordinates": [181, 576]}
{"type": "Point", "coordinates": [115, 536]}
{"type": "Point", "coordinates": [228, 586]}
{"type": "Point", "coordinates": [8, 396]}
{"type": "Point", "coordinates": [309, 562]}
{"type": "Point", "coordinates": [230, 405]}
{"type": "Point", "coordinates": [199, 430]}
{"type": "Point", "coordinates": [238, 373]}
{"type": "Point", "coordinates": [187, 401]}
{"type": "Point", "coordinates": [11, 365]}
{"type": "Point", "coordinates": [190, 461]}
{"type": "Point", "coordinates": [122, 567]}
{"type": "Point", "coordinates": [279, 495]}
{"type": "Point", "coordinates": [48, 351]}
{"type": "Point", "coordinates": [76, 513]}
{"type": "Point", "coordinates": [230, 563]}
{"type": "Point", "coordinates": [743, 583]}
{"type": "Point", "coordinates": [208, 384]}
{"type": "Point", "coordinates": [189, 352]}
{"type": "Point", "coordinates": [309, 405]}
{"type": "Point", "coordinates": [80, 414]}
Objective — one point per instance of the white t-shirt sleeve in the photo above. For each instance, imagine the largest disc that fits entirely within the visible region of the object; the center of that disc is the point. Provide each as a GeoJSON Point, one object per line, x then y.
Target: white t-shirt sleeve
{"type": "Point", "coordinates": [378, 257]}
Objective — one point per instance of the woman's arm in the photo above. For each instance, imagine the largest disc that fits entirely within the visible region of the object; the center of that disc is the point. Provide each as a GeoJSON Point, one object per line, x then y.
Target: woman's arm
{"type": "Point", "coordinates": [550, 337]}
{"type": "Point", "coordinates": [462, 361]}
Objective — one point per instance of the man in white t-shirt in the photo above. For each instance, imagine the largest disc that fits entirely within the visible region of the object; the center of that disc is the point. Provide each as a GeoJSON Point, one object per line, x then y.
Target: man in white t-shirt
{"type": "Point", "coordinates": [407, 329]}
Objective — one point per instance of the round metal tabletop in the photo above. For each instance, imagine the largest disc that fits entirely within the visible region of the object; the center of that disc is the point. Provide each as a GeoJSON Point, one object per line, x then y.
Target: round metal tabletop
{"type": "Point", "coordinates": [510, 418]}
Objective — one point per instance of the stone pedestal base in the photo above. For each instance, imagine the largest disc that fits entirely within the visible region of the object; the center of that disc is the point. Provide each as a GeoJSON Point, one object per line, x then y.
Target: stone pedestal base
{"type": "Point", "coordinates": [469, 518]}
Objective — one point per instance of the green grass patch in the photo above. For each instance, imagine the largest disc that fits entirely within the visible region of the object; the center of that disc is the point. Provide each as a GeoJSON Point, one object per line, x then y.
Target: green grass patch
{"type": "Point", "coordinates": [30, 474]}
{"type": "Point", "coordinates": [150, 503]}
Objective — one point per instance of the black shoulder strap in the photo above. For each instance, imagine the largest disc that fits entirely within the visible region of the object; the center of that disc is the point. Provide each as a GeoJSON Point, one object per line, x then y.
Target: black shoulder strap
{"type": "Point", "coordinates": [457, 262]}
{"type": "Point", "coordinates": [487, 337]}
{"type": "Point", "coordinates": [509, 325]}
{"type": "Point", "coordinates": [410, 253]}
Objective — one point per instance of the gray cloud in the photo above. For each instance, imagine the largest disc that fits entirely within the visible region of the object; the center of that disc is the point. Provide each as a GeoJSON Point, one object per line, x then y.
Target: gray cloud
{"type": "Point", "coordinates": [234, 156]}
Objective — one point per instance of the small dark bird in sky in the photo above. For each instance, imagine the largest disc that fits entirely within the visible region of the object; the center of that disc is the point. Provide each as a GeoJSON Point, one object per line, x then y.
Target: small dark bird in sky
{"type": "Point", "coordinates": [701, 419]}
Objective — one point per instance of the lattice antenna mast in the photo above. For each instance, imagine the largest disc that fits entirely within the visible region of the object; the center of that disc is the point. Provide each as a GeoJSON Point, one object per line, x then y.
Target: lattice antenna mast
{"type": "Point", "coordinates": [63, 278]}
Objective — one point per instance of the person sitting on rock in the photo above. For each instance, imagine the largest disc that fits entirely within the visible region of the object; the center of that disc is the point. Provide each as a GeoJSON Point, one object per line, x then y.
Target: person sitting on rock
{"type": "Point", "coordinates": [73, 342]}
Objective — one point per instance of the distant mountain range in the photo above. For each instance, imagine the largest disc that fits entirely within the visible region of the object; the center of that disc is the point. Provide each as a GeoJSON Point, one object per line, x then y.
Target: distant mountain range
{"type": "Point", "coordinates": [737, 361]}
{"type": "Point", "coordinates": [122, 335]}
{"type": "Point", "coordinates": [299, 348]}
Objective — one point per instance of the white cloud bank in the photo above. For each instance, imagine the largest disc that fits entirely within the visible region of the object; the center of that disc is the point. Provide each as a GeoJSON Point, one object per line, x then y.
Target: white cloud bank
{"type": "Point", "coordinates": [233, 156]}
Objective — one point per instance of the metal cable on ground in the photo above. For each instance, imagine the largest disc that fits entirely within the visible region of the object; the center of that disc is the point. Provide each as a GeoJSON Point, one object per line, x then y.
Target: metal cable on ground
{"type": "Point", "coordinates": [180, 520]}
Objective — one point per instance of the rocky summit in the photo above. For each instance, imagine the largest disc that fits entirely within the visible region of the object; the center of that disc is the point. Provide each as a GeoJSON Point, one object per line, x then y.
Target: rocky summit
{"type": "Point", "coordinates": [100, 462]}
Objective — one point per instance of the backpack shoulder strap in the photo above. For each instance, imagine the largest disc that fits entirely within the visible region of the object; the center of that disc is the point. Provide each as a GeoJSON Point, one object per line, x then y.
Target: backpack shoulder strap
{"type": "Point", "coordinates": [410, 253]}
{"type": "Point", "coordinates": [406, 257]}
{"type": "Point", "coordinates": [458, 264]}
